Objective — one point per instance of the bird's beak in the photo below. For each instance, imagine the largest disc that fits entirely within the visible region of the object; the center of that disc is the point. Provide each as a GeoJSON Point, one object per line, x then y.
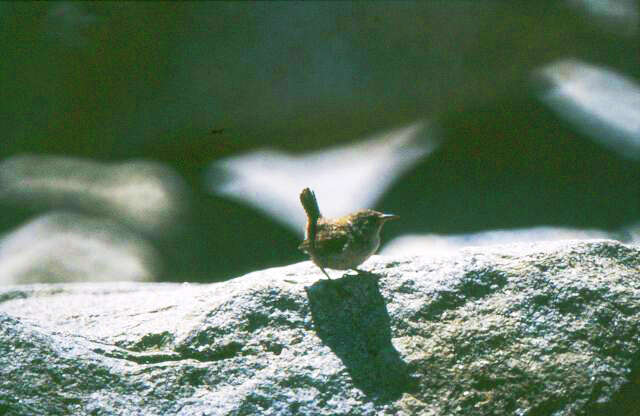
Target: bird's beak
{"type": "Point", "coordinates": [387, 217]}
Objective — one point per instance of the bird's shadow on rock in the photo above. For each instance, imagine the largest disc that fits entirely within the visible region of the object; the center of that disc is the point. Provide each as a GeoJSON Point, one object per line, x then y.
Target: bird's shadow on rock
{"type": "Point", "coordinates": [350, 316]}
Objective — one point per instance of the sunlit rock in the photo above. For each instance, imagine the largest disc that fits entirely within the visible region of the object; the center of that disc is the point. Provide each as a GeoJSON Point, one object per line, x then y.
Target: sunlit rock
{"type": "Point", "coordinates": [599, 102]}
{"type": "Point", "coordinates": [630, 233]}
{"type": "Point", "coordinates": [344, 178]}
{"type": "Point", "coordinates": [145, 195]}
{"type": "Point", "coordinates": [545, 329]}
{"type": "Point", "coordinates": [436, 244]}
{"type": "Point", "coordinates": [65, 247]}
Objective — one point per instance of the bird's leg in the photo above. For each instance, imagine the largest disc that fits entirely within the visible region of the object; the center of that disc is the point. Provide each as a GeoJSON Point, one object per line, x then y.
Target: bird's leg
{"type": "Point", "coordinates": [325, 273]}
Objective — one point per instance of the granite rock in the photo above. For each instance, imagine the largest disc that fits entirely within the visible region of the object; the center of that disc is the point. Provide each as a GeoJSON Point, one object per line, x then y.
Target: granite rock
{"type": "Point", "coordinates": [527, 329]}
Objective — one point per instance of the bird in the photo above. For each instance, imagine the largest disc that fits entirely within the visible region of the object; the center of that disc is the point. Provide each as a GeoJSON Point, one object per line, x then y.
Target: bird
{"type": "Point", "coordinates": [341, 243]}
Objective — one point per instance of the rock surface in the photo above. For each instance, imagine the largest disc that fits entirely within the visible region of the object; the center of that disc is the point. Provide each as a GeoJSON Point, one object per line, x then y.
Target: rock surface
{"type": "Point", "coordinates": [541, 329]}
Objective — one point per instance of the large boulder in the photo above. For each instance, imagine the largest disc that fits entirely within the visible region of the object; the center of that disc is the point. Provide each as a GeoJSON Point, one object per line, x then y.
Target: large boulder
{"type": "Point", "coordinates": [549, 328]}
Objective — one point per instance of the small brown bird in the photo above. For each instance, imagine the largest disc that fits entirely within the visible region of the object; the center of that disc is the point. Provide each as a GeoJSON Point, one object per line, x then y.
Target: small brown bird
{"type": "Point", "coordinates": [340, 243]}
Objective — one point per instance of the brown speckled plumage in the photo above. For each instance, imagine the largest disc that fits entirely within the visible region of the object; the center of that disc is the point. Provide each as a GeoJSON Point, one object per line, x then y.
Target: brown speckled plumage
{"type": "Point", "coordinates": [340, 243]}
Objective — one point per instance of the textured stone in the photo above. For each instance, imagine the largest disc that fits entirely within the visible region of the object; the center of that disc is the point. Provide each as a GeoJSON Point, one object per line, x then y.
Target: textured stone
{"type": "Point", "coordinates": [540, 329]}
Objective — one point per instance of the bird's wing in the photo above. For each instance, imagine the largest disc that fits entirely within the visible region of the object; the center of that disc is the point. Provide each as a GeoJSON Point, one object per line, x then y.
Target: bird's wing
{"type": "Point", "coordinates": [329, 239]}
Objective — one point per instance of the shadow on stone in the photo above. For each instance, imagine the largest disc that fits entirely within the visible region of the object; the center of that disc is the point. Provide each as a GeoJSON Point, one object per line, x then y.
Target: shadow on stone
{"type": "Point", "coordinates": [351, 318]}
{"type": "Point", "coordinates": [625, 402]}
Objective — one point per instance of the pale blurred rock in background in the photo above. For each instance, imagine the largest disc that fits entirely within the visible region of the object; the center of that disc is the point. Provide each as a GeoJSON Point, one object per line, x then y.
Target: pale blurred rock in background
{"type": "Point", "coordinates": [616, 16]}
{"type": "Point", "coordinates": [67, 247]}
{"type": "Point", "coordinates": [439, 245]}
{"type": "Point", "coordinates": [344, 178]}
{"type": "Point", "coordinates": [144, 195]}
{"type": "Point", "coordinates": [602, 104]}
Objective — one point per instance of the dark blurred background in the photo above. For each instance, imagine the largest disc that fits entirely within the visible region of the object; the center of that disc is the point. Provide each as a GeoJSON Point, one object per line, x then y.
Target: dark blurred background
{"type": "Point", "coordinates": [122, 123]}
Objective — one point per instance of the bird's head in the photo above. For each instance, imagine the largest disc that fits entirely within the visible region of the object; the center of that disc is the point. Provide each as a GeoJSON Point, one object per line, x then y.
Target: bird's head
{"type": "Point", "coordinates": [368, 221]}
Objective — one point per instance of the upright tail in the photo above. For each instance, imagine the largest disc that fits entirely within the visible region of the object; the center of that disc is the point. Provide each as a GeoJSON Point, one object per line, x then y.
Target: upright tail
{"type": "Point", "coordinates": [310, 205]}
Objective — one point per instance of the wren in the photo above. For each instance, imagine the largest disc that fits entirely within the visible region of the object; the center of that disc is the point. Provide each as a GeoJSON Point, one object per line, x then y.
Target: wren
{"type": "Point", "coordinates": [340, 243]}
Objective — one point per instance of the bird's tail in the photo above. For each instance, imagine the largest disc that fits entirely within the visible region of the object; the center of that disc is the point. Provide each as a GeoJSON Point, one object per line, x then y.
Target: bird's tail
{"type": "Point", "coordinates": [310, 205]}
